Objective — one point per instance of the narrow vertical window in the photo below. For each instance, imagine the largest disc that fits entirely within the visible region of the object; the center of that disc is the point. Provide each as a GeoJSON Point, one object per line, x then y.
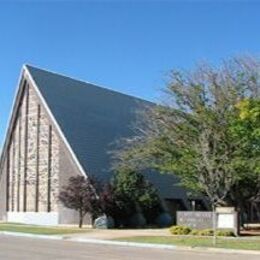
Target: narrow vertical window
{"type": "Point", "coordinates": [7, 179]}
{"type": "Point", "coordinates": [37, 159]}
{"type": "Point", "coordinates": [49, 170]}
{"type": "Point", "coordinates": [19, 184]}
{"type": "Point", "coordinates": [13, 172]}
{"type": "Point", "coordinates": [19, 163]}
{"type": "Point", "coordinates": [26, 149]}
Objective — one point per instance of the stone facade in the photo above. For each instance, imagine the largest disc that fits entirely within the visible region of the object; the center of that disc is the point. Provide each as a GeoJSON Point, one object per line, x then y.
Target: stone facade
{"type": "Point", "coordinates": [3, 186]}
{"type": "Point", "coordinates": [36, 165]}
{"type": "Point", "coordinates": [33, 153]}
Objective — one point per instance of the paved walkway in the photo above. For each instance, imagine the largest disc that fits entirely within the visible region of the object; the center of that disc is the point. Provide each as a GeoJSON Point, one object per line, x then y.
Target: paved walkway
{"type": "Point", "coordinates": [113, 234]}
{"type": "Point", "coordinates": [107, 234]}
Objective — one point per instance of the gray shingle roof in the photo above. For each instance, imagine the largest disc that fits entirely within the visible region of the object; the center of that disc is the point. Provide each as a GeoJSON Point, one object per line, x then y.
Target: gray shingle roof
{"type": "Point", "coordinates": [92, 119]}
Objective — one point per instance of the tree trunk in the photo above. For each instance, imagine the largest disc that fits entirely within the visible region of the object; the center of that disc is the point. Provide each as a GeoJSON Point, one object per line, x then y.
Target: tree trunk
{"type": "Point", "coordinates": [80, 218]}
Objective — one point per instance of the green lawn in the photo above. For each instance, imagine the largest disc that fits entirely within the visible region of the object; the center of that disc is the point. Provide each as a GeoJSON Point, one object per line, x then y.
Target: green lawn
{"type": "Point", "coordinates": [40, 230]}
{"type": "Point", "coordinates": [231, 243]}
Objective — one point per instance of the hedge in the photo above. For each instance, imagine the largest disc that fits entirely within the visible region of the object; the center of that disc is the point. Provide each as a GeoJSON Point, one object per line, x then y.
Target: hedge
{"type": "Point", "coordinates": [184, 230]}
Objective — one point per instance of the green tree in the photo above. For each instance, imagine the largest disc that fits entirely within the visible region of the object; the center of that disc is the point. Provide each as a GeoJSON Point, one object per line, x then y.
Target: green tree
{"type": "Point", "coordinates": [246, 129]}
{"type": "Point", "coordinates": [192, 134]}
{"type": "Point", "coordinates": [115, 205]}
{"type": "Point", "coordinates": [133, 191]}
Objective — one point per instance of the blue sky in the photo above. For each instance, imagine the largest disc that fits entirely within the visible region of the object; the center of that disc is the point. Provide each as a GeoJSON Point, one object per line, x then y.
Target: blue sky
{"type": "Point", "coordinates": [128, 46]}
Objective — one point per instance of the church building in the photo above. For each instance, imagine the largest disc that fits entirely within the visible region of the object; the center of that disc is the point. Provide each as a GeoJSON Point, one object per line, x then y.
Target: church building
{"type": "Point", "coordinates": [61, 127]}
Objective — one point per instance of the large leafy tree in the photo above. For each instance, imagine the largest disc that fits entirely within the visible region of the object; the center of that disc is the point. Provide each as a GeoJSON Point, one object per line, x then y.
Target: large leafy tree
{"type": "Point", "coordinates": [115, 205]}
{"type": "Point", "coordinates": [196, 133]}
{"type": "Point", "coordinates": [132, 192]}
{"type": "Point", "coordinates": [246, 129]}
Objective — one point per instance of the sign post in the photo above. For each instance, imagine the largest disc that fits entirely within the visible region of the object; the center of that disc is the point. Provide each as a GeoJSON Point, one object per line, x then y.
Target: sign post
{"type": "Point", "coordinates": [214, 226]}
{"type": "Point", "coordinates": [228, 218]}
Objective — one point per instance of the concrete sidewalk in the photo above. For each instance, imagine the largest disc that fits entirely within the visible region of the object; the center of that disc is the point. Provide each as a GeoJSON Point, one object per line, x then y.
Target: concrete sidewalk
{"type": "Point", "coordinates": [110, 234]}
{"type": "Point", "coordinates": [107, 234]}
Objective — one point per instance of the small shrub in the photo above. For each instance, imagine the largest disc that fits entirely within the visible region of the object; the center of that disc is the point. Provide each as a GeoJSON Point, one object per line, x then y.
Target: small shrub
{"type": "Point", "coordinates": [206, 232]}
{"type": "Point", "coordinates": [225, 233]}
{"type": "Point", "coordinates": [180, 230]}
{"type": "Point", "coordinates": [183, 230]}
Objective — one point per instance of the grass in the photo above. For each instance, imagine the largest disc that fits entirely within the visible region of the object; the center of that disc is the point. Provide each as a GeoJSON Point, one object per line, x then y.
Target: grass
{"type": "Point", "coordinates": [40, 230]}
{"type": "Point", "coordinates": [231, 243]}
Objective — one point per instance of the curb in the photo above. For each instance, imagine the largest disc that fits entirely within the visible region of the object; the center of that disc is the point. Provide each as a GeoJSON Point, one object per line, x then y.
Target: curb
{"type": "Point", "coordinates": [120, 243]}
{"type": "Point", "coordinates": [20, 234]}
{"type": "Point", "coordinates": [134, 244]}
{"type": "Point", "coordinates": [164, 246]}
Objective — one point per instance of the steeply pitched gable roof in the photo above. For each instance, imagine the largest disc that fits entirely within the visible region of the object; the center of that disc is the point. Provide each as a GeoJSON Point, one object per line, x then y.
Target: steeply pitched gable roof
{"type": "Point", "coordinates": [92, 119]}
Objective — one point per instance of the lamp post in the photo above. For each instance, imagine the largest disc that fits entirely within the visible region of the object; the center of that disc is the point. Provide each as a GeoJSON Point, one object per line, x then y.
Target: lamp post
{"type": "Point", "coordinates": [191, 200]}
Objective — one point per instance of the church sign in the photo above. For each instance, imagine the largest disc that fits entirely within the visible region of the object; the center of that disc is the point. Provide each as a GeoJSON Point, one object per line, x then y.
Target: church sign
{"type": "Point", "coordinates": [226, 218]}
{"type": "Point", "coordinates": [195, 219]}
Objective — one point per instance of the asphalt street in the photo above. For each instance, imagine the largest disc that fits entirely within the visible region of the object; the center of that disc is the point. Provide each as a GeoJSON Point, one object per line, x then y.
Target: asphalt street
{"type": "Point", "coordinates": [20, 248]}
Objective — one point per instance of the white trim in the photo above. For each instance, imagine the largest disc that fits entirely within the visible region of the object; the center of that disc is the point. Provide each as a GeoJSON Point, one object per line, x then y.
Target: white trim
{"type": "Point", "coordinates": [34, 218]}
{"type": "Point", "coordinates": [34, 85]}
